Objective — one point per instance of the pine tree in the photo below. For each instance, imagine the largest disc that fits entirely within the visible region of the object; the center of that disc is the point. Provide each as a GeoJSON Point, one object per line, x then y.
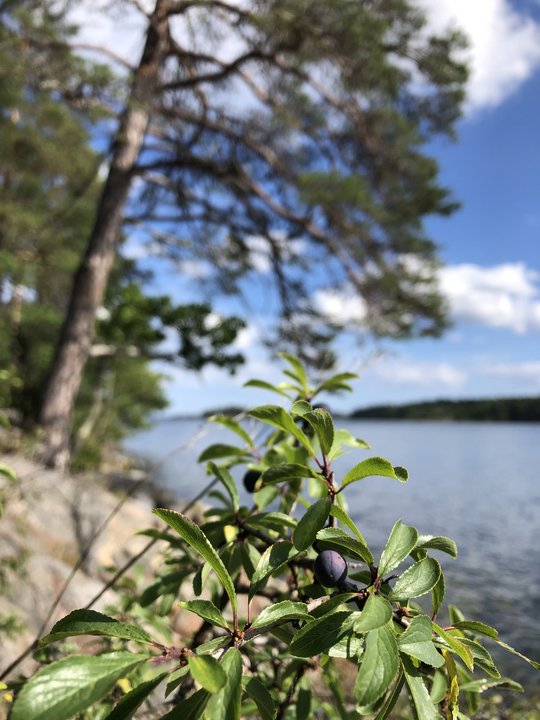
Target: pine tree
{"type": "Point", "coordinates": [298, 124]}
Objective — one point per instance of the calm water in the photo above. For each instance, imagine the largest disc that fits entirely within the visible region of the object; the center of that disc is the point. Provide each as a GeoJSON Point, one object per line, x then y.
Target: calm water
{"type": "Point", "coordinates": [476, 483]}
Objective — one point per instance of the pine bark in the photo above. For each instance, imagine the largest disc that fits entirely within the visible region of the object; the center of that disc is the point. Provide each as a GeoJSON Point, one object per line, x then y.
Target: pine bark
{"type": "Point", "coordinates": [90, 282]}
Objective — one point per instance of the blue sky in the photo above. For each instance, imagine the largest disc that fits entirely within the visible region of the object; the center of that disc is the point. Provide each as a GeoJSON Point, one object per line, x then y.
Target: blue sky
{"type": "Point", "coordinates": [491, 247]}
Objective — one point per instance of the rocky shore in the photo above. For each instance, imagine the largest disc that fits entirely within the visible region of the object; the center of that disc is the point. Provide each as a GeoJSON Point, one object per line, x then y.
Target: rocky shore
{"type": "Point", "coordinates": [49, 519]}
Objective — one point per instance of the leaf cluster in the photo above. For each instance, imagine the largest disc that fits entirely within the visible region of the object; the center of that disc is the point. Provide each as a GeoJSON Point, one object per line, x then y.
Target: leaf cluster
{"type": "Point", "coordinates": [272, 641]}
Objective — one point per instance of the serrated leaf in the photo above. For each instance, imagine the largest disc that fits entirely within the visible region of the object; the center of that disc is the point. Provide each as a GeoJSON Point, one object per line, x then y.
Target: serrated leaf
{"type": "Point", "coordinates": [319, 635]}
{"type": "Point", "coordinates": [133, 700]}
{"type": "Point", "coordinates": [477, 627]}
{"type": "Point", "coordinates": [349, 647]}
{"type": "Point", "coordinates": [392, 698]}
{"type": "Point", "coordinates": [533, 663]}
{"type": "Point", "coordinates": [482, 658]}
{"type": "Point", "coordinates": [90, 622]}
{"type": "Point", "coordinates": [401, 541]}
{"type": "Point", "coordinates": [207, 672]}
{"type": "Point", "coordinates": [342, 438]}
{"type": "Point", "coordinates": [206, 610]}
{"type": "Point", "coordinates": [278, 417]}
{"type": "Point", "coordinates": [417, 641]}
{"type": "Point", "coordinates": [262, 698]}
{"type": "Point", "coordinates": [479, 686]}
{"type": "Point", "coordinates": [288, 471]}
{"type": "Point", "coordinates": [380, 663]}
{"type": "Point", "coordinates": [337, 539]}
{"type": "Point", "coordinates": [376, 613]}
{"type": "Point", "coordinates": [225, 477]}
{"type": "Point", "coordinates": [339, 381]}
{"type": "Point", "coordinates": [417, 580]}
{"type": "Point", "coordinates": [272, 560]}
{"type": "Point", "coordinates": [300, 407]}
{"type": "Point", "coordinates": [437, 595]}
{"type": "Point", "coordinates": [195, 537]}
{"type": "Point", "coordinates": [281, 612]}
{"type": "Point", "coordinates": [444, 544]}
{"type": "Point", "coordinates": [190, 708]}
{"type": "Point", "coordinates": [225, 704]}
{"type": "Point", "coordinates": [321, 421]}
{"type": "Point", "coordinates": [372, 467]}
{"type": "Point", "coordinates": [69, 686]}
{"type": "Point", "coordinates": [266, 386]}
{"type": "Point", "coordinates": [309, 525]}
{"type": "Point", "coordinates": [272, 520]}
{"type": "Point", "coordinates": [175, 679]}
{"type": "Point", "coordinates": [425, 709]}
{"type": "Point", "coordinates": [232, 424]}
{"type": "Point", "coordinates": [461, 650]}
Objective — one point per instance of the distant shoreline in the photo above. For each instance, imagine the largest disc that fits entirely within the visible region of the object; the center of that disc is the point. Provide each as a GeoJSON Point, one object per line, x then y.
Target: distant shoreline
{"type": "Point", "coordinates": [519, 409]}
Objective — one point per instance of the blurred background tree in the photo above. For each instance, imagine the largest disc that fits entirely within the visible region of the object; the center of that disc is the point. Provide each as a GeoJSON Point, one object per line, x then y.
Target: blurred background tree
{"type": "Point", "coordinates": [294, 127]}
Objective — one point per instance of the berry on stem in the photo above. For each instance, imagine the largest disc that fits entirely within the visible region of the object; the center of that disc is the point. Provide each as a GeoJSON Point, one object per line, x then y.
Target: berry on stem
{"type": "Point", "coordinates": [330, 568]}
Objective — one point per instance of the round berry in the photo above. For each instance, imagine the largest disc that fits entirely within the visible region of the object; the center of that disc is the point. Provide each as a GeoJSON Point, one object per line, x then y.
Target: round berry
{"type": "Point", "coordinates": [250, 480]}
{"type": "Point", "coordinates": [330, 568]}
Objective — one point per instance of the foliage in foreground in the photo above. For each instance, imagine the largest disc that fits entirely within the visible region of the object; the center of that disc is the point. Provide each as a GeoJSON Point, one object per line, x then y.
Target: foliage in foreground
{"type": "Point", "coordinates": [273, 642]}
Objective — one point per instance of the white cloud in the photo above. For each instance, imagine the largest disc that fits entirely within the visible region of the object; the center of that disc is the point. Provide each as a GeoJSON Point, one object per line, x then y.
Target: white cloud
{"type": "Point", "coordinates": [504, 45]}
{"type": "Point", "coordinates": [340, 306]}
{"type": "Point", "coordinates": [410, 372]}
{"type": "Point", "coordinates": [503, 296]}
{"type": "Point", "coordinates": [526, 372]}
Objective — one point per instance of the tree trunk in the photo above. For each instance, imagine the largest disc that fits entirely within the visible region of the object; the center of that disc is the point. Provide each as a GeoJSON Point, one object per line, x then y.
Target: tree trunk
{"type": "Point", "coordinates": [92, 276]}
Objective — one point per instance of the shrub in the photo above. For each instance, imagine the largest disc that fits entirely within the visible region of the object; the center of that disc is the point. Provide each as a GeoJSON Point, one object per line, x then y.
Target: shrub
{"type": "Point", "coordinates": [273, 642]}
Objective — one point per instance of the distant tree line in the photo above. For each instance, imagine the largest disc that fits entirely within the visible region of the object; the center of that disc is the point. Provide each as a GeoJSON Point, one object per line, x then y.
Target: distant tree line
{"type": "Point", "coordinates": [498, 410]}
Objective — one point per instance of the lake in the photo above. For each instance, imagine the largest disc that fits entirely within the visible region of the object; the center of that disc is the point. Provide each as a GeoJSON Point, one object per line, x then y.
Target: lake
{"type": "Point", "coordinates": [477, 483]}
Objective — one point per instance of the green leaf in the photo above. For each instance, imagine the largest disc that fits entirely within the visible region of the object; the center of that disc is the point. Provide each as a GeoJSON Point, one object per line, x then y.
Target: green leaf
{"type": "Point", "coordinates": [303, 704]}
{"type": "Point", "coordinates": [8, 472]}
{"type": "Point", "coordinates": [376, 613]}
{"type": "Point", "coordinates": [380, 663]}
{"type": "Point", "coordinates": [349, 647]}
{"type": "Point", "coordinates": [278, 417]}
{"type": "Point", "coordinates": [392, 698]}
{"type": "Point", "coordinates": [195, 537]}
{"type": "Point", "coordinates": [425, 709]}
{"type": "Point", "coordinates": [321, 421]}
{"type": "Point", "coordinates": [90, 622]}
{"type": "Point", "coordinates": [477, 627]}
{"type": "Point", "coordinates": [343, 518]}
{"type": "Point", "coordinates": [133, 700]}
{"type": "Point", "coordinates": [479, 686]}
{"type": "Point", "coordinates": [262, 698]}
{"type": "Point", "coordinates": [533, 663]}
{"type": "Point", "coordinates": [272, 560]}
{"type": "Point", "coordinates": [288, 471]}
{"type": "Point", "coordinates": [64, 688]}
{"type": "Point", "coordinates": [225, 477]}
{"type": "Point", "coordinates": [280, 612]}
{"type": "Point", "coordinates": [300, 407]}
{"type": "Point", "coordinates": [400, 543]}
{"type": "Point", "coordinates": [272, 520]}
{"type": "Point", "coordinates": [417, 580]}
{"type": "Point", "coordinates": [315, 517]}
{"type": "Point", "coordinates": [444, 544]}
{"type": "Point", "coordinates": [175, 679]}
{"type": "Point", "coordinates": [337, 382]}
{"type": "Point", "coordinates": [225, 704]}
{"type": "Point", "coordinates": [206, 610]}
{"type": "Point", "coordinates": [482, 658]}
{"type": "Point", "coordinates": [343, 438]}
{"type": "Point", "coordinates": [337, 539]}
{"type": "Point", "coordinates": [298, 372]}
{"type": "Point", "coordinates": [320, 635]}
{"type": "Point", "coordinates": [207, 672]}
{"type": "Point", "coordinates": [417, 641]}
{"type": "Point", "coordinates": [189, 709]}
{"type": "Point", "coordinates": [374, 466]}
{"type": "Point", "coordinates": [233, 425]}
{"type": "Point", "coordinates": [220, 450]}
{"type": "Point", "coordinates": [437, 595]}
{"type": "Point", "coordinates": [461, 650]}
{"type": "Point", "coordinates": [267, 386]}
